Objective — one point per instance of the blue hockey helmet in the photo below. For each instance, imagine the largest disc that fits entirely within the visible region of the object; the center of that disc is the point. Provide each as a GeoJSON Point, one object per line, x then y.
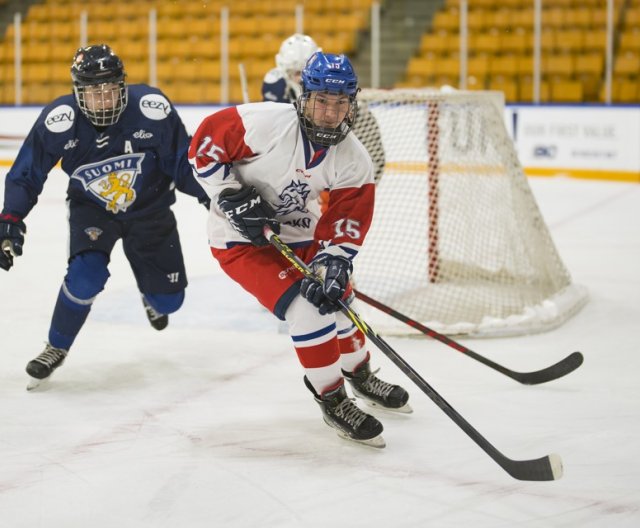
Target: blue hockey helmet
{"type": "Point", "coordinates": [325, 114]}
{"type": "Point", "coordinates": [99, 84]}
{"type": "Point", "coordinates": [330, 73]}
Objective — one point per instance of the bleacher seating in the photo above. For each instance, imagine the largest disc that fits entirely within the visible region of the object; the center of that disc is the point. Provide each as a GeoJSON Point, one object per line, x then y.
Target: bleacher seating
{"type": "Point", "coordinates": [188, 42]}
{"type": "Point", "coordinates": [500, 44]}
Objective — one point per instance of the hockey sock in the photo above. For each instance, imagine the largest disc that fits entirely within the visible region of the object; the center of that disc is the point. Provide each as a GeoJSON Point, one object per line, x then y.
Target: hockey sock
{"type": "Point", "coordinates": [352, 344]}
{"type": "Point", "coordinates": [86, 277]}
{"type": "Point", "coordinates": [68, 318]}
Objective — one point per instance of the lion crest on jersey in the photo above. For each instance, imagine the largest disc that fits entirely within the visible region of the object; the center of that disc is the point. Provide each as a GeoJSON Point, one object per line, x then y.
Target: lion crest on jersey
{"type": "Point", "coordinates": [112, 180]}
{"type": "Point", "coordinates": [293, 198]}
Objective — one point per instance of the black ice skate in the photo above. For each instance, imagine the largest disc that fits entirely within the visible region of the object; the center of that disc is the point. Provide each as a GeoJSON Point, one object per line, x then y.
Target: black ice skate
{"type": "Point", "coordinates": [340, 413]}
{"type": "Point", "coordinates": [375, 392]}
{"type": "Point", "coordinates": [43, 366]}
{"type": "Point", "coordinates": [158, 321]}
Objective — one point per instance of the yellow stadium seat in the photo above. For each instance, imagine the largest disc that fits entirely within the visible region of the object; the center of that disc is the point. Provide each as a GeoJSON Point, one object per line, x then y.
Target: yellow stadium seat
{"type": "Point", "coordinates": [626, 91]}
{"type": "Point", "coordinates": [446, 20]}
{"type": "Point", "coordinates": [211, 93]}
{"type": "Point", "coordinates": [630, 40]}
{"type": "Point", "coordinates": [566, 91]}
{"type": "Point", "coordinates": [478, 66]}
{"type": "Point", "coordinates": [597, 40]}
{"type": "Point", "coordinates": [506, 65]}
{"type": "Point", "coordinates": [507, 85]}
{"type": "Point", "coordinates": [36, 52]}
{"type": "Point", "coordinates": [60, 71]}
{"type": "Point", "coordinates": [435, 43]}
{"type": "Point", "coordinates": [571, 40]}
{"type": "Point", "coordinates": [485, 43]}
{"type": "Point", "coordinates": [558, 65]}
{"type": "Point", "coordinates": [589, 64]}
{"type": "Point", "coordinates": [518, 42]}
{"type": "Point", "coordinates": [526, 88]}
{"type": "Point", "coordinates": [37, 73]}
{"type": "Point", "coordinates": [553, 17]}
{"type": "Point", "coordinates": [627, 64]}
{"type": "Point", "coordinates": [209, 70]}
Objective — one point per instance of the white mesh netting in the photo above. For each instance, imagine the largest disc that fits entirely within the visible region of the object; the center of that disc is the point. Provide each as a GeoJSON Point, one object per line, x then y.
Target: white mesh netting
{"type": "Point", "coordinates": [457, 242]}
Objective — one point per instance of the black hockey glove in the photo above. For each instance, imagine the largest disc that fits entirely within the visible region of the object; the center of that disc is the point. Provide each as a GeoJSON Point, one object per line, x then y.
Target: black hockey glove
{"type": "Point", "coordinates": [248, 213]}
{"type": "Point", "coordinates": [335, 281]}
{"type": "Point", "coordinates": [12, 231]}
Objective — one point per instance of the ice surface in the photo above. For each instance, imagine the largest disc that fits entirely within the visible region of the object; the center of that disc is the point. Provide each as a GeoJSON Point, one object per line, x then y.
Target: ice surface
{"type": "Point", "coordinates": [208, 423]}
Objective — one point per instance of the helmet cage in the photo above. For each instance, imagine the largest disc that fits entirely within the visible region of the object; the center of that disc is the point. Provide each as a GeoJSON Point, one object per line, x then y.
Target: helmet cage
{"type": "Point", "coordinates": [99, 84]}
{"type": "Point", "coordinates": [102, 103]}
{"type": "Point", "coordinates": [320, 134]}
{"type": "Point", "coordinates": [328, 74]}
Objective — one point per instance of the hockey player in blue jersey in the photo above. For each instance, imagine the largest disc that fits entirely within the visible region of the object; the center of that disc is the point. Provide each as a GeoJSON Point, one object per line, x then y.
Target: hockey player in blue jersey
{"type": "Point", "coordinates": [282, 83]}
{"type": "Point", "coordinates": [124, 149]}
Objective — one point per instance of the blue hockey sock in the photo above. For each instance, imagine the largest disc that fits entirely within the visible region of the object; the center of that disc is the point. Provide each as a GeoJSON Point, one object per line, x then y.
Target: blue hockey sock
{"type": "Point", "coordinates": [86, 277]}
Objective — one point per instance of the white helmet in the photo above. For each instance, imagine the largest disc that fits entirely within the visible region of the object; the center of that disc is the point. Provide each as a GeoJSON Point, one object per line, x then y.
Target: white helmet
{"type": "Point", "coordinates": [292, 57]}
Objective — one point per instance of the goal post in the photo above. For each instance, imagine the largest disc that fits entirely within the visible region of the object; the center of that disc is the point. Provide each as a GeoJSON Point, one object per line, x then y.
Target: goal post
{"type": "Point", "coordinates": [457, 240]}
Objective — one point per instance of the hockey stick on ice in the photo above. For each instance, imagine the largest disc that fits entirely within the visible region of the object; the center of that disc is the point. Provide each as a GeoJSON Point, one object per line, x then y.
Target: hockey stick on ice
{"type": "Point", "coordinates": [545, 468]}
{"type": "Point", "coordinates": [555, 371]}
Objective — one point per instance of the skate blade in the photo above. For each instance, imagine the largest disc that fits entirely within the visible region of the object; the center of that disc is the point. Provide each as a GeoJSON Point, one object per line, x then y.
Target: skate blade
{"type": "Point", "coordinates": [405, 409]}
{"type": "Point", "coordinates": [35, 383]}
{"type": "Point", "coordinates": [377, 441]}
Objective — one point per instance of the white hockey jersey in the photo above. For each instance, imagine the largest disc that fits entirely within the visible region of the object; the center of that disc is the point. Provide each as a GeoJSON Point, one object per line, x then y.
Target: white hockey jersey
{"type": "Point", "coordinates": [262, 145]}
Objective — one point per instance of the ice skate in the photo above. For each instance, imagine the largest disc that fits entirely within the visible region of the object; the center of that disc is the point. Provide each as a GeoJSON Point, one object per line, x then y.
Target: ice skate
{"type": "Point", "coordinates": [158, 321]}
{"type": "Point", "coordinates": [375, 392]}
{"type": "Point", "coordinates": [346, 418]}
{"type": "Point", "coordinates": [41, 368]}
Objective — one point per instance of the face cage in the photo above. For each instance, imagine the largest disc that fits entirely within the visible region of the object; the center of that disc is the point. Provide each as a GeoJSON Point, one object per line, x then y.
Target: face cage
{"type": "Point", "coordinates": [321, 135]}
{"type": "Point", "coordinates": [93, 104]}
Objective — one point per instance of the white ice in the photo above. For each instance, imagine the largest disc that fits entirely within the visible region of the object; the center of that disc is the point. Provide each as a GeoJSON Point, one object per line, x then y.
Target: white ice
{"type": "Point", "coordinates": [208, 423]}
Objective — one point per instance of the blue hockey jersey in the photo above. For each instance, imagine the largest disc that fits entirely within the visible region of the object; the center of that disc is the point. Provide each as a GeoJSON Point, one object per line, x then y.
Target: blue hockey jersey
{"type": "Point", "coordinates": [275, 89]}
{"type": "Point", "coordinates": [130, 168]}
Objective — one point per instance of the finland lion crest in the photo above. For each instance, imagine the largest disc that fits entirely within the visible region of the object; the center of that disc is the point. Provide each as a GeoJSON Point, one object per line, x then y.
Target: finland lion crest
{"type": "Point", "coordinates": [112, 180]}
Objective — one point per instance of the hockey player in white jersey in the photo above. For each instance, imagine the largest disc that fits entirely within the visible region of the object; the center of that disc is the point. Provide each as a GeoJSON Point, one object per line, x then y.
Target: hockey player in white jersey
{"type": "Point", "coordinates": [282, 85]}
{"type": "Point", "coordinates": [265, 164]}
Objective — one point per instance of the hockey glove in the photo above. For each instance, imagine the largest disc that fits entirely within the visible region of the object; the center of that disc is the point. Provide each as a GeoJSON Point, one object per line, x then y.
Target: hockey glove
{"type": "Point", "coordinates": [12, 231]}
{"type": "Point", "coordinates": [248, 213]}
{"type": "Point", "coordinates": [335, 272]}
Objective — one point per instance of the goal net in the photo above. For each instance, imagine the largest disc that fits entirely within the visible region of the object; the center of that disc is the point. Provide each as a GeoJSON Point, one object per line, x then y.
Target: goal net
{"type": "Point", "coordinates": [457, 241]}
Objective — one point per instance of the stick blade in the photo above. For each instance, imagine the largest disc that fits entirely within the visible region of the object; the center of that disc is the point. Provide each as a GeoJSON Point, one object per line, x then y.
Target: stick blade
{"type": "Point", "coordinates": [539, 469]}
{"type": "Point", "coordinates": [560, 369]}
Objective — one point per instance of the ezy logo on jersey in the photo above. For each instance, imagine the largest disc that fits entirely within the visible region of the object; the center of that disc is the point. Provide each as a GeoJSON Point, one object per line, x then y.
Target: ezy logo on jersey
{"type": "Point", "coordinates": [112, 180]}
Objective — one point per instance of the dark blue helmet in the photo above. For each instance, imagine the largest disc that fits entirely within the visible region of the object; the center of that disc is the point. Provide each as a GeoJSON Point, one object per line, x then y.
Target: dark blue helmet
{"type": "Point", "coordinates": [329, 89]}
{"type": "Point", "coordinates": [331, 73]}
{"type": "Point", "coordinates": [99, 84]}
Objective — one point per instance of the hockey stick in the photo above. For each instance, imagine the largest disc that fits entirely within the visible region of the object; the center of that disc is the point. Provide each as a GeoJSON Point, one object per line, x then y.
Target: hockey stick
{"type": "Point", "coordinates": [555, 371]}
{"type": "Point", "coordinates": [545, 468]}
